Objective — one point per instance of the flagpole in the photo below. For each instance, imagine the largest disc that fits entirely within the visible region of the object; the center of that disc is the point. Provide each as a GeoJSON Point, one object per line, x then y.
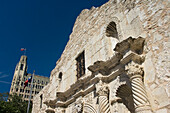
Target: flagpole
{"type": "Point", "coordinates": [25, 51]}
{"type": "Point", "coordinates": [30, 92]}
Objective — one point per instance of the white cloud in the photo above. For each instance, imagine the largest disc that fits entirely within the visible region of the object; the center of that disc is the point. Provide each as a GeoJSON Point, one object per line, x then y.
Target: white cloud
{"type": "Point", "coordinates": [5, 82]}
{"type": "Point", "coordinates": [4, 75]}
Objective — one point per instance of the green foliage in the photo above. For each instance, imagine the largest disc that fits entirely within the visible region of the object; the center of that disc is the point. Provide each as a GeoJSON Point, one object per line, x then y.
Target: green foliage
{"type": "Point", "coordinates": [14, 105]}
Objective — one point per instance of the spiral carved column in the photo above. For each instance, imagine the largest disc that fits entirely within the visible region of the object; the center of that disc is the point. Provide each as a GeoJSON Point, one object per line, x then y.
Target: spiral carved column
{"type": "Point", "coordinates": [141, 103]}
{"type": "Point", "coordinates": [103, 92]}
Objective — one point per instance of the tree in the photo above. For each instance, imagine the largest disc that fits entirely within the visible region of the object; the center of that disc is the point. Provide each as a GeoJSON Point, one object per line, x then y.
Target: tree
{"type": "Point", "coordinates": [13, 105]}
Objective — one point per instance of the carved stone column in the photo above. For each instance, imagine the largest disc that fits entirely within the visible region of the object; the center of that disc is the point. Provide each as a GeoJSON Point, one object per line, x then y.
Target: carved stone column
{"type": "Point", "coordinates": [103, 92]}
{"type": "Point", "coordinates": [141, 103]}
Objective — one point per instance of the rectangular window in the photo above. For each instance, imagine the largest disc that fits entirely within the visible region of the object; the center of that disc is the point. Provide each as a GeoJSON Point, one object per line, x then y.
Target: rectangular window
{"type": "Point", "coordinates": [21, 68]}
{"type": "Point", "coordinates": [80, 65]}
{"type": "Point", "coordinates": [41, 97]}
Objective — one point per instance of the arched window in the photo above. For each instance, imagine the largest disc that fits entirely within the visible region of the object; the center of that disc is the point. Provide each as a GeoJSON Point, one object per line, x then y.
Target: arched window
{"type": "Point", "coordinates": [111, 30]}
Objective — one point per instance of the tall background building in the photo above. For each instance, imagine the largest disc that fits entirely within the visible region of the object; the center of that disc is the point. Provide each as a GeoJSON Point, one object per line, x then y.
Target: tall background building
{"type": "Point", "coordinates": [19, 78]}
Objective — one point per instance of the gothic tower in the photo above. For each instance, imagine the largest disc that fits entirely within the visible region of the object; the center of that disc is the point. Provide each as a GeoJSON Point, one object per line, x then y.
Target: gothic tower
{"type": "Point", "coordinates": [19, 78]}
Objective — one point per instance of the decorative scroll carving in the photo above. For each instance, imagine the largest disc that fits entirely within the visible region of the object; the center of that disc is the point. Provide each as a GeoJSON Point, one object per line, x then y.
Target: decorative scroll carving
{"type": "Point", "coordinates": [135, 72]}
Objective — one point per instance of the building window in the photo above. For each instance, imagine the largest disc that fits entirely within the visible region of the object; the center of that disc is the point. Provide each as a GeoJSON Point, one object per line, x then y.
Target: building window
{"type": "Point", "coordinates": [41, 97]}
{"type": "Point", "coordinates": [20, 90]}
{"type": "Point", "coordinates": [111, 30]}
{"type": "Point", "coordinates": [80, 65]}
{"type": "Point", "coordinates": [19, 78]}
{"type": "Point", "coordinates": [21, 68]}
{"type": "Point", "coordinates": [17, 83]}
{"type": "Point", "coordinates": [60, 75]}
{"type": "Point", "coordinates": [21, 83]}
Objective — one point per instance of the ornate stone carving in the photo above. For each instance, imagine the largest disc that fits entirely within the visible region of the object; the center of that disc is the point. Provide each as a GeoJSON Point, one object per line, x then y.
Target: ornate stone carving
{"type": "Point", "coordinates": [134, 69]}
{"type": "Point", "coordinates": [78, 107]}
{"type": "Point", "coordinates": [135, 45]}
{"type": "Point", "coordinates": [103, 90]}
{"type": "Point", "coordinates": [135, 72]}
{"type": "Point", "coordinates": [88, 108]}
{"type": "Point", "coordinates": [88, 98]}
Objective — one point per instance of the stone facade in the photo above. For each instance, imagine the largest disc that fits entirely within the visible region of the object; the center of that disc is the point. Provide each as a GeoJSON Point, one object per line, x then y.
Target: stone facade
{"type": "Point", "coordinates": [124, 47]}
{"type": "Point", "coordinates": [19, 78]}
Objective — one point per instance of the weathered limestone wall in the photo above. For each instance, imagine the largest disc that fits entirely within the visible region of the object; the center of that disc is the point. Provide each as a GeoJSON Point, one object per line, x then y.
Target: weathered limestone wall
{"type": "Point", "coordinates": [134, 18]}
{"type": "Point", "coordinates": [48, 93]}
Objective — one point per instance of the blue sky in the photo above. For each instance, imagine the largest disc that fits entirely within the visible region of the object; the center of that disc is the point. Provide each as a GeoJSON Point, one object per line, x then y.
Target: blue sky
{"type": "Point", "coordinates": [42, 27]}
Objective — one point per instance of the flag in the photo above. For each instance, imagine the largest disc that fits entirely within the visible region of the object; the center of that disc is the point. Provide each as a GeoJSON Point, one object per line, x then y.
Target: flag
{"type": "Point", "coordinates": [26, 82]}
{"type": "Point", "coordinates": [23, 49]}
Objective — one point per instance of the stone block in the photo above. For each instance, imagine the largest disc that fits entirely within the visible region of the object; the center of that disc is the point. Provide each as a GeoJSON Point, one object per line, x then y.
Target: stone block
{"type": "Point", "coordinates": [142, 15]}
{"type": "Point", "coordinates": [136, 27]}
{"type": "Point", "coordinates": [131, 15]}
{"type": "Point", "coordinates": [162, 111]}
{"type": "Point", "coordinates": [120, 16]}
{"type": "Point", "coordinates": [157, 37]}
{"type": "Point", "coordinates": [161, 97]}
{"type": "Point", "coordinates": [153, 86]}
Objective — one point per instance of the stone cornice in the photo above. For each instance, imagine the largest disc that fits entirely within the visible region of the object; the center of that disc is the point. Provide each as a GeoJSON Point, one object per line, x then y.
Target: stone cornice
{"type": "Point", "coordinates": [49, 109]}
{"type": "Point", "coordinates": [109, 70]}
{"type": "Point", "coordinates": [70, 95]}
